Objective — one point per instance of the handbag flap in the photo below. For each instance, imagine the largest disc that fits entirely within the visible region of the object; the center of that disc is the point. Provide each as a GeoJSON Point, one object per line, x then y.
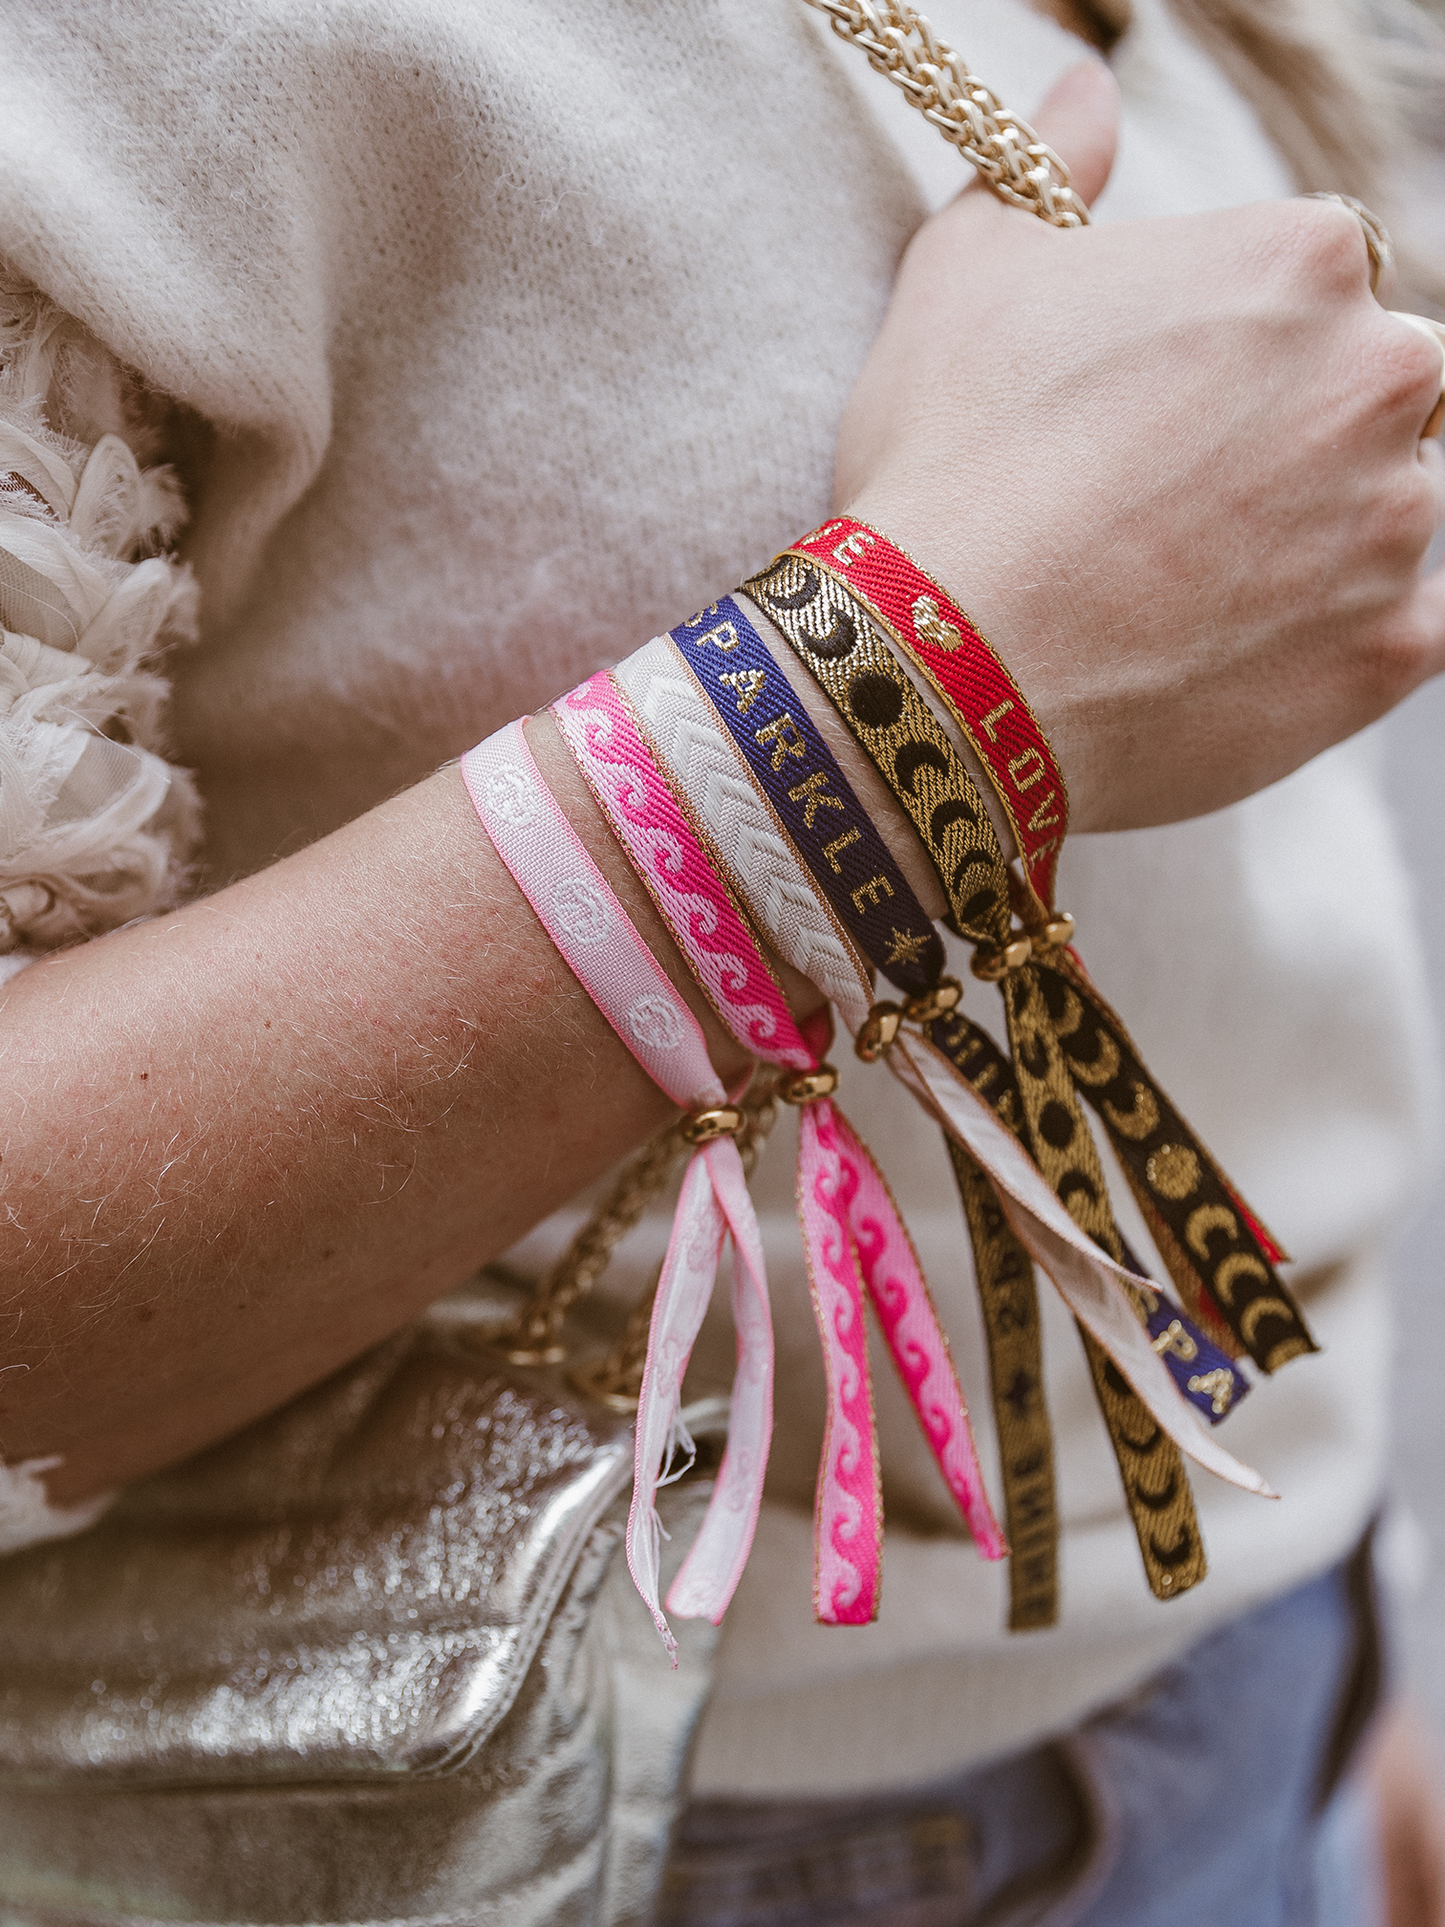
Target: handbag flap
{"type": "Point", "coordinates": [352, 1587]}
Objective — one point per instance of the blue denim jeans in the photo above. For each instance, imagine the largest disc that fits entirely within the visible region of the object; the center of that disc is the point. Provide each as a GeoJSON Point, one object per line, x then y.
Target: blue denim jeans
{"type": "Point", "coordinates": [1219, 1792]}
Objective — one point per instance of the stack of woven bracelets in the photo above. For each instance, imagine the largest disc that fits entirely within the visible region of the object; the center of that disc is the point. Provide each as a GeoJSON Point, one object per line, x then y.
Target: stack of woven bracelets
{"type": "Point", "coordinates": [736, 815]}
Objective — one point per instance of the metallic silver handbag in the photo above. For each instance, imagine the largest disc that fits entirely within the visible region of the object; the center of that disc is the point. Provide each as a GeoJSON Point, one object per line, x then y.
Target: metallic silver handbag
{"type": "Point", "coordinates": [371, 1661]}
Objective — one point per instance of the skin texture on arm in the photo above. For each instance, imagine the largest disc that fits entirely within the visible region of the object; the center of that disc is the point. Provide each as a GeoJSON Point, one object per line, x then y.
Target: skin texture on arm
{"type": "Point", "coordinates": [246, 1141]}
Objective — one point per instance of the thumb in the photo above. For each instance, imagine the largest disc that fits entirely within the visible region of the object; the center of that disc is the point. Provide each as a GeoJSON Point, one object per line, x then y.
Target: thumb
{"type": "Point", "coordinates": [1079, 118]}
{"type": "Point", "coordinates": [1425, 627]}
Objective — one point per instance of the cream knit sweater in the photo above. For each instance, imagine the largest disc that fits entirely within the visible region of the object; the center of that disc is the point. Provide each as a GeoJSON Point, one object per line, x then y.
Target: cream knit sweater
{"type": "Point", "coordinates": [517, 333]}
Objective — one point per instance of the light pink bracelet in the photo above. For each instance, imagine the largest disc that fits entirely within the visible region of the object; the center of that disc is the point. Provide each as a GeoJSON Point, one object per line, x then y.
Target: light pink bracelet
{"type": "Point", "coordinates": [580, 913]}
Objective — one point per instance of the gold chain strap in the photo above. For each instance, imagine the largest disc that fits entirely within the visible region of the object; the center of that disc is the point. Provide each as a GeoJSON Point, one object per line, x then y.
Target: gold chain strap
{"type": "Point", "coordinates": [617, 1378]}
{"type": "Point", "coordinates": [534, 1335]}
{"type": "Point", "coordinates": [1017, 165]}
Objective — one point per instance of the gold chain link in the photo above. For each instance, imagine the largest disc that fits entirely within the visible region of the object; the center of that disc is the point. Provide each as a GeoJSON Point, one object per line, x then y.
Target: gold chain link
{"type": "Point", "coordinates": [617, 1378]}
{"type": "Point", "coordinates": [1017, 165]}
{"type": "Point", "coordinates": [534, 1335]}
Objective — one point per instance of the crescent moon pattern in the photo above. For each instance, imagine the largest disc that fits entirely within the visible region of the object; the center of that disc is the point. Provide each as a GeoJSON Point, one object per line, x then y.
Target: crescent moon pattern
{"type": "Point", "coordinates": [1069, 1016]}
{"type": "Point", "coordinates": [913, 754]}
{"type": "Point", "coordinates": [1102, 1068]}
{"type": "Point", "coordinates": [911, 759]}
{"type": "Point", "coordinates": [978, 907]}
{"type": "Point", "coordinates": [952, 810]}
{"type": "Point", "coordinates": [1069, 1160]}
{"type": "Point", "coordinates": [1151, 1467]}
{"type": "Point", "coordinates": [1065, 1041]}
{"type": "Point", "coordinates": [1156, 1485]}
{"type": "Point", "coordinates": [1205, 1219]}
{"type": "Point", "coordinates": [1160, 1506]}
{"type": "Point", "coordinates": [1243, 1264]}
{"type": "Point", "coordinates": [1259, 1308]}
{"type": "Point", "coordinates": [1157, 1501]}
{"type": "Point", "coordinates": [1208, 1243]}
{"type": "Point", "coordinates": [1182, 1551]}
{"type": "Point", "coordinates": [1139, 1121]}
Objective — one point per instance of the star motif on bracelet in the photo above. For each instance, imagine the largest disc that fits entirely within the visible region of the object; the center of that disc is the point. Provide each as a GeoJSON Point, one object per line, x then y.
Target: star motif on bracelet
{"type": "Point", "coordinates": [906, 949]}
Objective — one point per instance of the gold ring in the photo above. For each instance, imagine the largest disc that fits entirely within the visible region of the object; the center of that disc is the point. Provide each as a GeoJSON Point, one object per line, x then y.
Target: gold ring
{"type": "Point", "coordinates": [1433, 331]}
{"type": "Point", "coordinates": [1377, 237]}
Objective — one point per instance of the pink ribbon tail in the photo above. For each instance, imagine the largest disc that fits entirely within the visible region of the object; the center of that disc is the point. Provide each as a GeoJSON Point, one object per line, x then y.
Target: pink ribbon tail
{"type": "Point", "coordinates": [915, 1337]}
{"type": "Point", "coordinates": [848, 1507]}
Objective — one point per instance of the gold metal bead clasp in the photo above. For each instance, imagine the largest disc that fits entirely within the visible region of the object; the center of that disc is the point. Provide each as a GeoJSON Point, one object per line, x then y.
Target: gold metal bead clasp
{"type": "Point", "coordinates": [992, 961]}
{"type": "Point", "coordinates": [806, 1087]}
{"type": "Point", "coordinates": [945, 996]}
{"type": "Point", "coordinates": [877, 1031]}
{"type": "Point", "coordinates": [701, 1127]}
{"type": "Point", "coordinates": [1056, 934]}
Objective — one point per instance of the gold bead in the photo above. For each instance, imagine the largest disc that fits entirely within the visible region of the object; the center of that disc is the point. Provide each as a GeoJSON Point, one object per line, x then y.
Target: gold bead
{"type": "Point", "coordinates": [1058, 931]}
{"type": "Point", "coordinates": [877, 1032]}
{"type": "Point", "coordinates": [701, 1127]}
{"type": "Point", "coordinates": [804, 1087]}
{"type": "Point", "coordinates": [943, 997]}
{"type": "Point", "coordinates": [993, 961]}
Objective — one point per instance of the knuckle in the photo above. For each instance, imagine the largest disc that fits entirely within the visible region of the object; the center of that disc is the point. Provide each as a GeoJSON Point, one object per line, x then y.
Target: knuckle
{"type": "Point", "coordinates": [1394, 659]}
{"type": "Point", "coordinates": [1325, 240]}
{"type": "Point", "coordinates": [1403, 520]}
{"type": "Point", "coordinates": [1402, 369]}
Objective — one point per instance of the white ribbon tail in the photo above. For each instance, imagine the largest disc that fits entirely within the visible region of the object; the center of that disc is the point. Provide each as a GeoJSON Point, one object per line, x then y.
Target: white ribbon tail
{"type": "Point", "coordinates": [684, 1291]}
{"type": "Point", "coordinates": [1090, 1283]}
{"type": "Point", "coordinates": [714, 1565]}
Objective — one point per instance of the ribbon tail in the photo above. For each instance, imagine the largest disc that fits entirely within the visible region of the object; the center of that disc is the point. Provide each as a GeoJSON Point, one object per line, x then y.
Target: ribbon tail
{"type": "Point", "coordinates": [916, 1338]}
{"type": "Point", "coordinates": [1008, 1299]}
{"type": "Point", "coordinates": [714, 1565]}
{"type": "Point", "coordinates": [684, 1291]}
{"type": "Point", "coordinates": [848, 1504]}
{"type": "Point", "coordinates": [1217, 1251]}
{"type": "Point", "coordinates": [1091, 1284]}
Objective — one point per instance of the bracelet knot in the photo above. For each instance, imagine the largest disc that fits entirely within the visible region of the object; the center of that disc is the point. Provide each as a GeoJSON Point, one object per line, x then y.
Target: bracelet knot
{"type": "Point", "coordinates": [993, 961]}
{"type": "Point", "coordinates": [720, 1120]}
{"type": "Point", "coordinates": [806, 1087]}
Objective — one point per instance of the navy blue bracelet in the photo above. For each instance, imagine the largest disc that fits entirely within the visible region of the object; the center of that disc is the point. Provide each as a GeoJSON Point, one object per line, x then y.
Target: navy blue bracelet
{"type": "Point", "coordinates": [800, 777]}
{"type": "Point", "coordinates": [1208, 1377]}
{"type": "Point", "coordinates": [1205, 1375]}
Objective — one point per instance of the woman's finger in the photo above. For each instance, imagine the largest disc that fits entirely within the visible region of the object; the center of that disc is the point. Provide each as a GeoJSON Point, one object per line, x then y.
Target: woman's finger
{"type": "Point", "coordinates": [1079, 118]}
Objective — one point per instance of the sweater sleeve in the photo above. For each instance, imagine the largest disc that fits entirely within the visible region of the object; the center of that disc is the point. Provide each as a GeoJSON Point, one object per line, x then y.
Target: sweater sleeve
{"type": "Point", "coordinates": [96, 825]}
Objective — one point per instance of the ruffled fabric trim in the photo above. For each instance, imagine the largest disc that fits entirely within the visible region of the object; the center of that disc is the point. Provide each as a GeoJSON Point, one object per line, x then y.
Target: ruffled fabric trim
{"type": "Point", "coordinates": [96, 826]}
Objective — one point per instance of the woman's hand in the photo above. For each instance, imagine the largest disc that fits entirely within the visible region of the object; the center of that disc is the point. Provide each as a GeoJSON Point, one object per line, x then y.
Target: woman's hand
{"type": "Point", "coordinates": [1172, 468]}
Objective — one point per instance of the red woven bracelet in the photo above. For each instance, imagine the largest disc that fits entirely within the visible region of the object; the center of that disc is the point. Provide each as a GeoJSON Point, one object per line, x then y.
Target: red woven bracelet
{"type": "Point", "coordinates": [938, 638]}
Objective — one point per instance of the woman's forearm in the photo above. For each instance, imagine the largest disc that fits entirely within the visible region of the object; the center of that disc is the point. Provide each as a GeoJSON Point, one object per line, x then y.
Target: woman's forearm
{"type": "Point", "coordinates": [246, 1141]}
